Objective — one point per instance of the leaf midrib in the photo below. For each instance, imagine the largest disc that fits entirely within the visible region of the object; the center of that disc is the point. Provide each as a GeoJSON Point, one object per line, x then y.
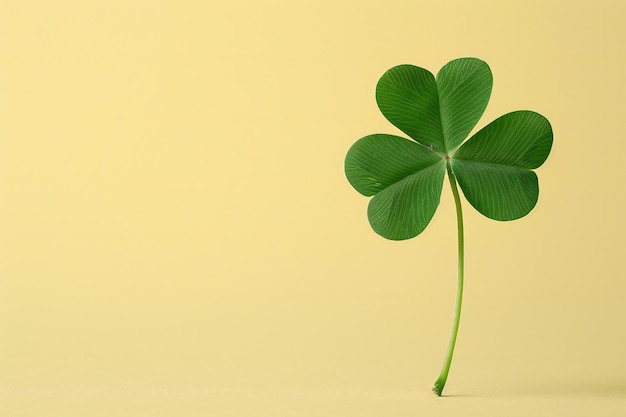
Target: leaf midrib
{"type": "Point", "coordinates": [494, 164]}
{"type": "Point", "coordinates": [405, 178]}
{"type": "Point", "coordinates": [444, 135]}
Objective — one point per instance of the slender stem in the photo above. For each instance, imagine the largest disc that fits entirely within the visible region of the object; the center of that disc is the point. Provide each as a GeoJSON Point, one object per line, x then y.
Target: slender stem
{"type": "Point", "coordinates": [441, 381]}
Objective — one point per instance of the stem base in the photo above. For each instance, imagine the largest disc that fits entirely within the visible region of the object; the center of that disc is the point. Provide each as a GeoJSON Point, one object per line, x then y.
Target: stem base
{"type": "Point", "coordinates": [438, 386]}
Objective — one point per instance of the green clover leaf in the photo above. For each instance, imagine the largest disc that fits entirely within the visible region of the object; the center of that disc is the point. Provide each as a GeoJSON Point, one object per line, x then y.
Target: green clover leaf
{"type": "Point", "coordinates": [494, 168]}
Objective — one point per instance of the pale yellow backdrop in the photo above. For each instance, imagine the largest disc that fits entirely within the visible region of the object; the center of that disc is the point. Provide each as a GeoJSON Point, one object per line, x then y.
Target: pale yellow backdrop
{"type": "Point", "coordinates": [177, 237]}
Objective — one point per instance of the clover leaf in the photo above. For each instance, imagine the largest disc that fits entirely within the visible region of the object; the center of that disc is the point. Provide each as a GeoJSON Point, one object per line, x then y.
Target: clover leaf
{"type": "Point", "coordinates": [494, 168]}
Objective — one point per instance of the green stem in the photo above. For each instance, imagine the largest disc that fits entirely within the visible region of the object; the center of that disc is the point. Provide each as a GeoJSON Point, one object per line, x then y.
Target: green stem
{"type": "Point", "coordinates": [441, 381]}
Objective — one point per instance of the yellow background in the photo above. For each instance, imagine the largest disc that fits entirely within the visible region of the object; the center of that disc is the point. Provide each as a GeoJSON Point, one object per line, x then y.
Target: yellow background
{"type": "Point", "coordinates": [177, 237]}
